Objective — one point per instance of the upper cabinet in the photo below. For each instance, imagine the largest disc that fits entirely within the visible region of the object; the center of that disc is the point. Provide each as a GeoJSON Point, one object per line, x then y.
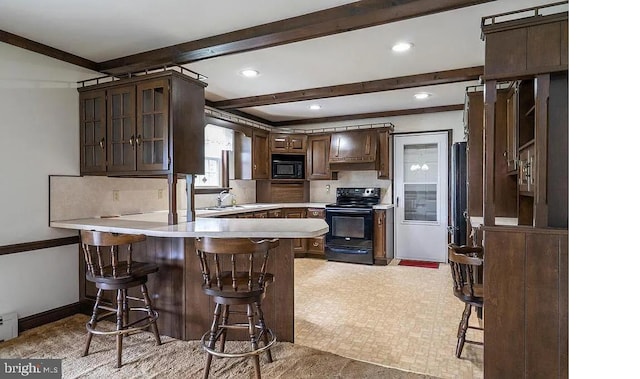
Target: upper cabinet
{"type": "Point", "coordinates": [518, 48]}
{"type": "Point", "coordinates": [318, 157]}
{"type": "Point", "coordinates": [260, 154]}
{"type": "Point", "coordinates": [354, 146]}
{"type": "Point", "coordinates": [288, 143]}
{"type": "Point", "coordinates": [145, 125]}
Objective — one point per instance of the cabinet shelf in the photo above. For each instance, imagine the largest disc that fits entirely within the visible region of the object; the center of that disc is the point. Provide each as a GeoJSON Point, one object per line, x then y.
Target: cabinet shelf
{"type": "Point", "coordinates": [527, 144]}
{"type": "Point", "coordinates": [530, 111]}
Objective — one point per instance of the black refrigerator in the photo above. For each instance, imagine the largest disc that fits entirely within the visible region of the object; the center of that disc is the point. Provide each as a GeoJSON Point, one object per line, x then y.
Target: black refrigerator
{"type": "Point", "coordinates": [458, 195]}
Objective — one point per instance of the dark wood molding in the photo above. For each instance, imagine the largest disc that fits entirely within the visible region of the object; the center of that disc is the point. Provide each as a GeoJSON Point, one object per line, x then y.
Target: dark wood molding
{"type": "Point", "coordinates": [36, 47]}
{"type": "Point", "coordinates": [46, 317]}
{"type": "Point", "coordinates": [348, 17]}
{"type": "Point", "coordinates": [250, 117]}
{"type": "Point", "coordinates": [403, 112]}
{"type": "Point", "coordinates": [389, 84]}
{"type": "Point", "coordinates": [37, 245]}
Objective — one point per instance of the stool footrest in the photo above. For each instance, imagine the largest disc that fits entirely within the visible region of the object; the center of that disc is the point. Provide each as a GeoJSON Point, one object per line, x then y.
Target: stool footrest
{"type": "Point", "coordinates": [204, 341]}
{"type": "Point", "coordinates": [127, 328]}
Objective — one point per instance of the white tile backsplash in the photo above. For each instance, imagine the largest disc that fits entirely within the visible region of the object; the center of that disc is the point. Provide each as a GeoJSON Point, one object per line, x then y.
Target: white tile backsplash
{"type": "Point", "coordinates": [72, 197]}
{"type": "Point", "coordinates": [320, 194]}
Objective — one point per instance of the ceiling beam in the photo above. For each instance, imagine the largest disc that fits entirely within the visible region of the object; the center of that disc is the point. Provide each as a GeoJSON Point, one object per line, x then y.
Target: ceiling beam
{"type": "Point", "coordinates": [359, 116]}
{"type": "Point", "coordinates": [344, 18]}
{"type": "Point", "coordinates": [49, 51]}
{"type": "Point", "coordinates": [411, 81]}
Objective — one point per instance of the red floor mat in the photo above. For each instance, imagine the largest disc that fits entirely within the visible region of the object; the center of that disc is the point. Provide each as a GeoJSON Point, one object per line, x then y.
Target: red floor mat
{"type": "Point", "coordinates": [426, 264]}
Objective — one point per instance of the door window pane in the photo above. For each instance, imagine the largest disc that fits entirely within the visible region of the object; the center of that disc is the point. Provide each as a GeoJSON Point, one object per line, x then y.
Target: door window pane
{"type": "Point", "coordinates": [420, 202]}
{"type": "Point", "coordinates": [420, 182]}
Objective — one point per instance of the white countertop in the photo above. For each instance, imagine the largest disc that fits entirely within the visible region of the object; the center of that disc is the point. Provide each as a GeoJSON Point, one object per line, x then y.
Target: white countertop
{"type": "Point", "coordinates": [155, 225]}
{"type": "Point", "coordinates": [501, 221]}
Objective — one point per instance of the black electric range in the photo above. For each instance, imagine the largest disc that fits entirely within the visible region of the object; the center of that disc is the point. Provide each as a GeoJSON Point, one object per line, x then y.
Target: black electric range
{"type": "Point", "coordinates": [350, 220]}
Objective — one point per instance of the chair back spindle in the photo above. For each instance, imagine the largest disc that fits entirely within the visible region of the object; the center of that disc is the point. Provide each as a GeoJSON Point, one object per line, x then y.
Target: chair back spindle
{"type": "Point", "coordinates": [235, 261]}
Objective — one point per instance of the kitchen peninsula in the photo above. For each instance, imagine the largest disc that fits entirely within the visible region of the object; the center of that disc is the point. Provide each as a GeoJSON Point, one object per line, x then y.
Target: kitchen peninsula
{"type": "Point", "coordinates": [185, 311]}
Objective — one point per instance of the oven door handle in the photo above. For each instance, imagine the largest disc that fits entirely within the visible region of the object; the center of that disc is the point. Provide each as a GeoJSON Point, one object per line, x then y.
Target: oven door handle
{"type": "Point", "coordinates": [352, 211]}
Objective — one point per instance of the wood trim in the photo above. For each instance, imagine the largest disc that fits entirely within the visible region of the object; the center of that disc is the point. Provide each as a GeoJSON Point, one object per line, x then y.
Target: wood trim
{"type": "Point", "coordinates": [402, 112]}
{"type": "Point", "coordinates": [345, 18]}
{"type": "Point", "coordinates": [488, 186]}
{"type": "Point", "coordinates": [38, 245]}
{"type": "Point", "coordinates": [410, 81]}
{"type": "Point", "coordinates": [46, 317]}
{"type": "Point", "coordinates": [524, 22]}
{"type": "Point", "coordinates": [36, 47]}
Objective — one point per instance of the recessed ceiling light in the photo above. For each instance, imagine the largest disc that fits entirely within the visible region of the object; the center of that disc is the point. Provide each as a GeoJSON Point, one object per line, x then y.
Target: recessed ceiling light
{"type": "Point", "coordinates": [249, 73]}
{"type": "Point", "coordinates": [422, 95]}
{"type": "Point", "coordinates": [314, 107]}
{"type": "Point", "coordinates": [401, 47]}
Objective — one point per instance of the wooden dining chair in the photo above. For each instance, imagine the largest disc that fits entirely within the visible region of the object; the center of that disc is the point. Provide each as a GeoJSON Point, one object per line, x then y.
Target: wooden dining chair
{"type": "Point", "coordinates": [466, 268]}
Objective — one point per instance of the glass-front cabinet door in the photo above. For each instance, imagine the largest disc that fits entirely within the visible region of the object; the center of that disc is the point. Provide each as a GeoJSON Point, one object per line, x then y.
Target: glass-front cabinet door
{"type": "Point", "coordinates": [92, 132]}
{"type": "Point", "coordinates": [153, 126]}
{"type": "Point", "coordinates": [121, 106]}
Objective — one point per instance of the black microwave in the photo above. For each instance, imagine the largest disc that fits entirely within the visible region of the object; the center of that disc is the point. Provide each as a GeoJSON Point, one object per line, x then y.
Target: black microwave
{"type": "Point", "coordinates": [285, 169]}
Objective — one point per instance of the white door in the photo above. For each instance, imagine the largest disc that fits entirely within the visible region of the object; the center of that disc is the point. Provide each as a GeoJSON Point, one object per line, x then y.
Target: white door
{"type": "Point", "coordinates": [421, 182]}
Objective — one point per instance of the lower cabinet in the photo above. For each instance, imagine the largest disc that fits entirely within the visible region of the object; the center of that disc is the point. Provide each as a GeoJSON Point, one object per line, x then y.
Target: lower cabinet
{"type": "Point", "coordinates": [315, 246]}
{"type": "Point", "coordinates": [299, 244]}
{"type": "Point", "coordinates": [526, 302]}
{"type": "Point", "coordinates": [383, 236]}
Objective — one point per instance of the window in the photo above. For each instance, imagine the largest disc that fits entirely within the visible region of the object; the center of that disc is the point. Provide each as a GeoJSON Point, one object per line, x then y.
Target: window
{"type": "Point", "coordinates": [217, 141]}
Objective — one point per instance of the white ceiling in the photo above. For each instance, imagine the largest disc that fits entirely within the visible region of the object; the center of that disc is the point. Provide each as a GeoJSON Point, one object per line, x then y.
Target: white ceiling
{"type": "Point", "coordinates": [101, 31]}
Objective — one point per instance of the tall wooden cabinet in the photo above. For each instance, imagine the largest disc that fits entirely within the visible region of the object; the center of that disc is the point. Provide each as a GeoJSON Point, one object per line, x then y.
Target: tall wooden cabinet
{"type": "Point", "coordinates": [526, 263]}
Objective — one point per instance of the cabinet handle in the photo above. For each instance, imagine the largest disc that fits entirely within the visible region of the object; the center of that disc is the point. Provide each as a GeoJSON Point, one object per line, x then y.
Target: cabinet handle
{"type": "Point", "coordinates": [379, 220]}
{"type": "Point", "coordinates": [132, 140]}
{"type": "Point", "coordinates": [255, 167]}
{"type": "Point", "coordinates": [139, 140]}
{"type": "Point", "coordinates": [316, 244]}
{"type": "Point", "coordinates": [102, 143]}
{"type": "Point", "coordinates": [315, 213]}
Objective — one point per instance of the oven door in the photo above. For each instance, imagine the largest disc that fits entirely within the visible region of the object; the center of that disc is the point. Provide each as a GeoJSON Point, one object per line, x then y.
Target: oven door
{"type": "Point", "coordinates": [349, 228]}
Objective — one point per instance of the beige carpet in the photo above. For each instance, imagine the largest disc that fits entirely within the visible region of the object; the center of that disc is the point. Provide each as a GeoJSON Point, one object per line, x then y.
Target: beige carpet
{"type": "Point", "coordinates": [176, 359]}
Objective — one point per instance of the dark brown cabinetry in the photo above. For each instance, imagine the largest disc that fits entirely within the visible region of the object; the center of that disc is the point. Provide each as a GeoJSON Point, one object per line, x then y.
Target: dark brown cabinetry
{"type": "Point", "coordinates": [260, 154]}
{"type": "Point", "coordinates": [354, 147]}
{"type": "Point", "coordinates": [288, 143]}
{"type": "Point", "coordinates": [93, 138]}
{"type": "Point", "coordinates": [282, 191]}
{"type": "Point", "coordinates": [299, 244]}
{"type": "Point", "coordinates": [384, 151]}
{"type": "Point", "coordinates": [505, 185]}
{"type": "Point", "coordinates": [146, 125]}
{"type": "Point", "coordinates": [315, 246]}
{"type": "Point", "coordinates": [318, 157]}
{"type": "Point", "coordinates": [526, 319]}
{"type": "Point", "coordinates": [382, 236]}
{"type": "Point", "coordinates": [514, 50]}
{"type": "Point", "coordinates": [526, 266]}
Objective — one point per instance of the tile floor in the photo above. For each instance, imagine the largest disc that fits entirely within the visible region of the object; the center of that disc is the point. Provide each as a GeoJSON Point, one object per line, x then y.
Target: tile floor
{"type": "Point", "coordinates": [396, 316]}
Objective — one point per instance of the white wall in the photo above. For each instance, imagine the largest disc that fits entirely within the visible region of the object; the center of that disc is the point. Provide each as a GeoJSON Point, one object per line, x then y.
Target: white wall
{"type": "Point", "coordinates": [38, 137]}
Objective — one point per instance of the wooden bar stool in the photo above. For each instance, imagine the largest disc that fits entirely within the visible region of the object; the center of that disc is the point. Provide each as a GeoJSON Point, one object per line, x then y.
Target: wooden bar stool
{"type": "Point", "coordinates": [238, 278]}
{"type": "Point", "coordinates": [466, 265]}
{"type": "Point", "coordinates": [110, 272]}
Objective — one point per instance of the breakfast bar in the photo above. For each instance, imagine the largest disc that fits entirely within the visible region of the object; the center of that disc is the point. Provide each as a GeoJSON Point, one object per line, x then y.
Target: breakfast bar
{"type": "Point", "coordinates": [185, 311]}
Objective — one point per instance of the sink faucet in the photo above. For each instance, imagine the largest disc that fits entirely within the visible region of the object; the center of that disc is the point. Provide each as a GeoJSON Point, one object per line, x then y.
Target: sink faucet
{"type": "Point", "coordinates": [222, 196]}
